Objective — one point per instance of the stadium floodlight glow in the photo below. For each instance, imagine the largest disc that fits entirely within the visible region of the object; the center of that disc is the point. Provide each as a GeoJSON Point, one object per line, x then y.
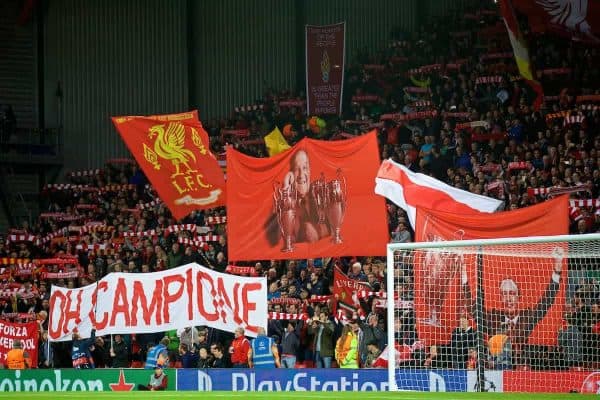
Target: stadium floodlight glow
{"type": "Point", "coordinates": [475, 308]}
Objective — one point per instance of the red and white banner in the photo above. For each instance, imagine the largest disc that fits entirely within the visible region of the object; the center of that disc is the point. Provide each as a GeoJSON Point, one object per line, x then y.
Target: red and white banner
{"type": "Point", "coordinates": [287, 316]}
{"type": "Point", "coordinates": [407, 189]}
{"type": "Point", "coordinates": [28, 335]}
{"type": "Point", "coordinates": [143, 303]}
{"type": "Point", "coordinates": [325, 57]}
{"type": "Point", "coordinates": [595, 203]}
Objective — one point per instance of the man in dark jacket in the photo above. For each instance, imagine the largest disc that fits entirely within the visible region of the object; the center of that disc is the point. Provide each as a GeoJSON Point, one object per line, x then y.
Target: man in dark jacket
{"type": "Point", "coordinates": [189, 358]}
{"type": "Point", "coordinates": [119, 353]}
{"type": "Point", "coordinates": [463, 338]}
{"type": "Point", "coordinates": [321, 330]}
{"type": "Point", "coordinates": [370, 332]}
{"type": "Point", "coordinates": [221, 360]}
{"type": "Point", "coordinates": [290, 344]}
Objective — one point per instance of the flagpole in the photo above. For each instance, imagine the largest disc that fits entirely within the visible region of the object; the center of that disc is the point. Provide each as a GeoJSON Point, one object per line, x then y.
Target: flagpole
{"type": "Point", "coordinates": [50, 362]}
{"type": "Point", "coordinates": [49, 326]}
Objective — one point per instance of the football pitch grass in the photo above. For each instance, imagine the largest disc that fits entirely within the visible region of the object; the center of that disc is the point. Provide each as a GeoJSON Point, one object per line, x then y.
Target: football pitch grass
{"type": "Point", "coordinates": [289, 395]}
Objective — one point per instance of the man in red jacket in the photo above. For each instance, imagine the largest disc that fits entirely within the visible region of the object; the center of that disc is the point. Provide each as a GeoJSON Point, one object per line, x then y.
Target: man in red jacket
{"type": "Point", "coordinates": [240, 346]}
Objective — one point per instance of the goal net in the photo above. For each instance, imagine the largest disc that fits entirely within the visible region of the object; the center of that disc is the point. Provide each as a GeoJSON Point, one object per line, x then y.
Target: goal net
{"type": "Point", "coordinates": [515, 314]}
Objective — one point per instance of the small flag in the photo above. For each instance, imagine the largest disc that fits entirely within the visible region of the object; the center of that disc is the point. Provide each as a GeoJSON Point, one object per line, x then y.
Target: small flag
{"type": "Point", "coordinates": [275, 142]}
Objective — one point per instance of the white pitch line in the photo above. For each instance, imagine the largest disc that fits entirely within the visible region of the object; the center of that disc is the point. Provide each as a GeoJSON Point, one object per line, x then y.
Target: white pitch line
{"type": "Point", "coordinates": [316, 395]}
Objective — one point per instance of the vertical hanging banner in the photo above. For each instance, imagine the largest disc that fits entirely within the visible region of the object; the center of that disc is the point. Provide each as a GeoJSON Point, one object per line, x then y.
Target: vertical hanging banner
{"type": "Point", "coordinates": [27, 333]}
{"type": "Point", "coordinates": [521, 304]}
{"type": "Point", "coordinates": [314, 200]}
{"type": "Point", "coordinates": [173, 151]}
{"type": "Point", "coordinates": [325, 57]}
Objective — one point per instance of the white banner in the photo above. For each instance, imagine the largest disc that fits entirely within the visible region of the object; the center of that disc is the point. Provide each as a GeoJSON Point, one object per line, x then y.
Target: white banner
{"type": "Point", "coordinates": [189, 295]}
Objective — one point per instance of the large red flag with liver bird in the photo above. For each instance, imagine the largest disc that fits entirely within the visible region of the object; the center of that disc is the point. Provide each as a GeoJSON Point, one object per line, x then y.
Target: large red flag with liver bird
{"type": "Point", "coordinates": [173, 151]}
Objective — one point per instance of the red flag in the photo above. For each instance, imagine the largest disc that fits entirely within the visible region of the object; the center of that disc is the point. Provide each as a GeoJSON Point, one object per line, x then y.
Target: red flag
{"type": "Point", "coordinates": [345, 290]}
{"type": "Point", "coordinates": [440, 286]}
{"type": "Point", "coordinates": [577, 19]}
{"type": "Point", "coordinates": [173, 151]}
{"type": "Point", "coordinates": [314, 200]}
{"type": "Point", "coordinates": [27, 333]}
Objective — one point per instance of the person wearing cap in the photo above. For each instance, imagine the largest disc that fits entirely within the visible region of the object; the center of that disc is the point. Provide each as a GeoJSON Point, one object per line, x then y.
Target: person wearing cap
{"type": "Point", "coordinates": [511, 320]}
{"type": "Point", "coordinates": [17, 358]}
{"type": "Point", "coordinates": [158, 381]}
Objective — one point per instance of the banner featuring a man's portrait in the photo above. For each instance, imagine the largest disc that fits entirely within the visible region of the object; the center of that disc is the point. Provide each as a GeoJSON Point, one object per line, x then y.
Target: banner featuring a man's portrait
{"type": "Point", "coordinates": [523, 285]}
{"type": "Point", "coordinates": [314, 200]}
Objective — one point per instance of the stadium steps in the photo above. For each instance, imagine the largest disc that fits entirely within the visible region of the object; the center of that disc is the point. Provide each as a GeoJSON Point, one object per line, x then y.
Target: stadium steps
{"type": "Point", "coordinates": [21, 192]}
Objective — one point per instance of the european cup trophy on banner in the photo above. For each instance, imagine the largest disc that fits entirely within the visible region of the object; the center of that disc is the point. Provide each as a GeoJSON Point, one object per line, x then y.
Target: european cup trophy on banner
{"type": "Point", "coordinates": [336, 196]}
{"type": "Point", "coordinates": [440, 268]}
{"type": "Point", "coordinates": [318, 193]}
{"type": "Point", "coordinates": [285, 201]}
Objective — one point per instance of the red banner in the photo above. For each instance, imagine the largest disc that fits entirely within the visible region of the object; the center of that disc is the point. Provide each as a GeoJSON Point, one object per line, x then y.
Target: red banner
{"type": "Point", "coordinates": [28, 335]}
{"type": "Point", "coordinates": [325, 52]}
{"type": "Point", "coordinates": [445, 282]}
{"type": "Point", "coordinates": [314, 200]}
{"type": "Point", "coordinates": [587, 382]}
{"type": "Point", "coordinates": [173, 152]}
{"type": "Point", "coordinates": [346, 289]}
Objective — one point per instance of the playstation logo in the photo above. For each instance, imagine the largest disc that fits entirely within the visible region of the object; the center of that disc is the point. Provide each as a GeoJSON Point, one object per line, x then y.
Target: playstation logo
{"type": "Point", "coordinates": [204, 382]}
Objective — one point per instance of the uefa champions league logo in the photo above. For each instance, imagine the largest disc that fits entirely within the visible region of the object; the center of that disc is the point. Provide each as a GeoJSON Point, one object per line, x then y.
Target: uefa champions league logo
{"type": "Point", "coordinates": [591, 384]}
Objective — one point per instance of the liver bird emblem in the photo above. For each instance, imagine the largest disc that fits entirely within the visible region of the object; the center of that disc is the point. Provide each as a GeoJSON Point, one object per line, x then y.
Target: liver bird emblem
{"type": "Point", "coordinates": [571, 14]}
{"type": "Point", "coordinates": [170, 145]}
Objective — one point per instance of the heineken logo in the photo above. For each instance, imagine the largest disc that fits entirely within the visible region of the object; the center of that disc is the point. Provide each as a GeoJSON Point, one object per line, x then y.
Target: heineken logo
{"type": "Point", "coordinates": [57, 384]}
{"type": "Point", "coordinates": [68, 380]}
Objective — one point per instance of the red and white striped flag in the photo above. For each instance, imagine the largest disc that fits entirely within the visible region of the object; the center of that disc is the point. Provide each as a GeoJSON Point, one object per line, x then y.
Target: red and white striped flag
{"type": "Point", "coordinates": [408, 189]}
{"type": "Point", "coordinates": [402, 352]}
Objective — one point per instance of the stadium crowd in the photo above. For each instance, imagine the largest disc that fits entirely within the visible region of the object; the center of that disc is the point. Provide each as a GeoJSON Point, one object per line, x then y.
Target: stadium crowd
{"type": "Point", "coordinates": [467, 119]}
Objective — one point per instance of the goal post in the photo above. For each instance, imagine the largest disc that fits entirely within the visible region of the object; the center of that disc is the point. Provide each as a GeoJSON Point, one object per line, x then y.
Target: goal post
{"type": "Point", "coordinates": [467, 314]}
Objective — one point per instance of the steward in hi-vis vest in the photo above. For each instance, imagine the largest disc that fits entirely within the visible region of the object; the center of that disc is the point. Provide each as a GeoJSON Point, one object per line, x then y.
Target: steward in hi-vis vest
{"type": "Point", "coordinates": [263, 352]}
